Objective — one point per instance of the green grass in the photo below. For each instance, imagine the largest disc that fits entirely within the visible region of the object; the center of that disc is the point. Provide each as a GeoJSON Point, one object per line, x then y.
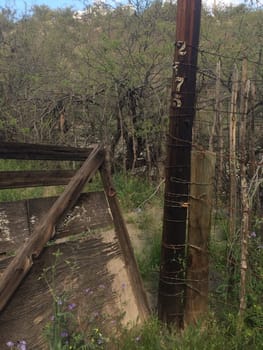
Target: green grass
{"type": "Point", "coordinates": [138, 195]}
{"type": "Point", "coordinates": [133, 192]}
{"type": "Point", "coordinates": [18, 194]}
{"type": "Point", "coordinates": [207, 335]}
{"type": "Point", "coordinates": [220, 328]}
{"type": "Point", "coordinates": [32, 192]}
{"type": "Point", "coordinates": [150, 228]}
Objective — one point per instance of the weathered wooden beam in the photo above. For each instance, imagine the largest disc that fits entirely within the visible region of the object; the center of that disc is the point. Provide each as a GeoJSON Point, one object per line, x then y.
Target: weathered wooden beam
{"type": "Point", "coordinates": [29, 151]}
{"type": "Point", "coordinates": [45, 229]}
{"type": "Point", "coordinates": [33, 178]}
{"type": "Point", "coordinates": [125, 244]}
{"type": "Point", "coordinates": [178, 163]}
{"type": "Point", "coordinates": [199, 227]}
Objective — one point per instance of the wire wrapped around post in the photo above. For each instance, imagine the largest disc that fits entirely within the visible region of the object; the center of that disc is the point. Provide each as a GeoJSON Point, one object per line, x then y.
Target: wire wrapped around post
{"type": "Point", "coordinates": [179, 144]}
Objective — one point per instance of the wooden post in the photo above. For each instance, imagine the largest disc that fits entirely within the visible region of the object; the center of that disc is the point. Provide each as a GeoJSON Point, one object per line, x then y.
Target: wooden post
{"type": "Point", "coordinates": [179, 142]}
{"type": "Point", "coordinates": [244, 191]}
{"type": "Point", "coordinates": [45, 229]}
{"type": "Point", "coordinates": [201, 200]}
{"type": "Point", "coordinates": [125, 244]}
{"type": "Point", "coordinates": [216, 121]}
{"type": "Point", "coordinates": [232, 155]}
{"type": "Point", "coordinates": [251, 130]}
{"type": "Point", "coordinates": [232, 180]}
{"type": "Point", "coordinates": [220, 140]}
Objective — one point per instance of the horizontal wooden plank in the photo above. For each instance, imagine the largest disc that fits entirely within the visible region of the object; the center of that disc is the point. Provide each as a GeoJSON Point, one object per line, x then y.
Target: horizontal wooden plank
{"type": "Point", "coordinates": [14, 150]}
{"type": "Point", "coordinates": [81, 273]}
{"type": "Point", "coordinates": [90, 212]}
{"type": "Point", "coordinates": [21, 179]}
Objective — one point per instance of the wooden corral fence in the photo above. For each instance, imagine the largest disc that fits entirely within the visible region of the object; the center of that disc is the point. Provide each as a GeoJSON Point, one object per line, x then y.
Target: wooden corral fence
{"type": "Point", "coordinates": [97, 271]}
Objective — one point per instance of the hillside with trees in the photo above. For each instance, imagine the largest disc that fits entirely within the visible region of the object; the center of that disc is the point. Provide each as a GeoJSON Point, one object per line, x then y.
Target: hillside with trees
{"type": "Point", "coordinates": [104, 75]}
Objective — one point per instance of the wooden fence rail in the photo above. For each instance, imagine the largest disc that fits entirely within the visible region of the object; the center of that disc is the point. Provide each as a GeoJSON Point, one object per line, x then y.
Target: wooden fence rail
{"type": "Point", "coordinates": [14, 150]}
{"type": "Point", "coordinates": [70, 222]}
{"type": "Point", "coordinates": [20, 179]}
{"type": "Point", "coordinates": [45, 229]}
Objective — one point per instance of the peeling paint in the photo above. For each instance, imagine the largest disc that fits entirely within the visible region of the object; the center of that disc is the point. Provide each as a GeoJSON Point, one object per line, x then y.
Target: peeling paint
{"type": "Point", "coordinates": [5, 234]}
{"type": "Point", "coordinates": [33, 219]}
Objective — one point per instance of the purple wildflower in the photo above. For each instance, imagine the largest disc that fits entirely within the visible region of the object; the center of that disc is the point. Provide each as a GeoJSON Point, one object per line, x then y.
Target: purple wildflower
{"type": "Point", "coordinates": [21, 345]}
{"type": "Point", "coordinates": [253, 235]}
{"type": "Point", "coordinates": [72, 306]}
{"type": "Point", "coordinates": [89, 291]}
{"type": "Point", "coordinates": [10, 344]}
{"type": "Point", "coordinates": [102, 286]}
{"type": "Point", "coordinates": [100, 341]}
{"type": "Point", "coordinates": [64, 334]}
{"type": "Point", "coordinates": [123, 285]}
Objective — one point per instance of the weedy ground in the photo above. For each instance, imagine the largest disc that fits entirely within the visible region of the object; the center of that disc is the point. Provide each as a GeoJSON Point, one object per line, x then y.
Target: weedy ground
{"type": "Point", "coordinates": [143, 213]}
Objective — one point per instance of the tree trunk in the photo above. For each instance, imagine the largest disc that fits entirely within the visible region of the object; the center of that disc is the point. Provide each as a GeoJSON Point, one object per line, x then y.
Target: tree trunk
{"type": "Point", "coordinates": [218, 106]}
{"type": "Point", "coordinates": [251, 130]}
{"type": "Point", "coordinates": [233, 181]}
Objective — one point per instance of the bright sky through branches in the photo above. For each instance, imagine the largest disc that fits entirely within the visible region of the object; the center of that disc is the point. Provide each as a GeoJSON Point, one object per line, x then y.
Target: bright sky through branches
{"type": "Point", "coordinates": [223, 2]}
{"type": "Point", "coordinates": [23, 6]}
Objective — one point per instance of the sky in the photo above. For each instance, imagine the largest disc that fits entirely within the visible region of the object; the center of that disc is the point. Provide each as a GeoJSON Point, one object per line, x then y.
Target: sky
{"type": "Point", "coordinates": [25, 5]}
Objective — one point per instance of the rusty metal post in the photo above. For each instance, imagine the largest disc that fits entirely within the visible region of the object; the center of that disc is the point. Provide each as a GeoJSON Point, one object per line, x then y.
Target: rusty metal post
{"type": "Point", "coordinates": [182, 111]}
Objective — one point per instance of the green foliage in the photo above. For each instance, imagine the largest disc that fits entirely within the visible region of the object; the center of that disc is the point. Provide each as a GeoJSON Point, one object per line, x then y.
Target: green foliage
{"type": "Point", "coordinates": [19, 194]}
{"type": "Point", "coordinates": [94, 185]}
{"type": "Point", "coordinates": [109, 76]}
{"type": "Point", "coordinates": [34, 192]}
{"type": "Point", "coordinates": [112, 70]}
{"type": "Point", "coordinates": [133, 191]}
{"type": "Point", "coordinates": [254, 312]}
{"type": "Point", "coordinates": [208, 334]}
{"type": "Point", "coordinates": [250, 334]}
{"type": "Point", "coordinates": [149, 261]}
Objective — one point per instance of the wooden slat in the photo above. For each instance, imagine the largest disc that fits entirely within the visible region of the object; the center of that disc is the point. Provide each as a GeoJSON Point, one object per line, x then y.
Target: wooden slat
{"type": "Point", "coordinates": [21, 179]}
{"type": "Point", "coordinates": [29, 151]}
{"type": "Point", "coordinates": [125, 244]}
{"type": "Point", "coordinates": [45, 229]}
{"type": "Point", "coordinates": [79, 267]}
{"type": "Point", "coordinates": [90, 212]}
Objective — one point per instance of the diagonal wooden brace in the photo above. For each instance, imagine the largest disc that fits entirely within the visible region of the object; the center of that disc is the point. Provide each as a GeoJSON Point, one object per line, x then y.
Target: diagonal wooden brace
{"type": "Point", "coordinates": [45, 229]}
